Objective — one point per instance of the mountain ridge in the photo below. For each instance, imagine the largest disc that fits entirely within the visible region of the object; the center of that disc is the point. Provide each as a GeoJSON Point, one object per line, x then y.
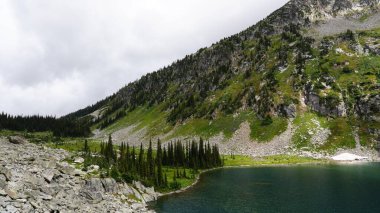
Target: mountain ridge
{"type": "Point", "coordinates": [273, 69]}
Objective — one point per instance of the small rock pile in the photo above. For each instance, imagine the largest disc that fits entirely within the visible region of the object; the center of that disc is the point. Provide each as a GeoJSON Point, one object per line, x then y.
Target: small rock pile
{"type": "Point", "coordinates": [35, 178]}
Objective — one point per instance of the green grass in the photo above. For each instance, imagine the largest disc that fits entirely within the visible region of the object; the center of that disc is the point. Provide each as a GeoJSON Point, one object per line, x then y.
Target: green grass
{"type": "Point", "coordinates": [34, 137]}
{"type": "Point", "coordinates": [366, 139]}
{"type": "Point", "coordinates": [206, 128]}
{"type": "Point", "coordinates": [341, 135]}
{"type": "Point", "coordinates": [305, 125]}
{"type": "Point", "coordinates": [269, 160]}
{"type": "Point", "coordinates": [75, 144]}
{"type": "Point", "coordinates": [152, 118]}
{"type": "Point", "coordinates": [185, 182]}
{"type": "Point", "coordinates": [266, 132]}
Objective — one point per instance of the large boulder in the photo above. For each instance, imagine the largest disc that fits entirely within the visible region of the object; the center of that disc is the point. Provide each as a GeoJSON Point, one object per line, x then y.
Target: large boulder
{"type": "Point", "coordinates": [369, 107]}
{"type": "Point", "coordinates": [66, 168]}
{"type": "Point", "coordinates": [6, 172]}
{"type": "Point", "coordinates": [79, 160]}
{"type": "Point", "coordinates": [290, 111]}
{"type": "Point", "coordinates": [110, 185]}
{"type": "Point", "coordinates": [3, 181]}
{"type": "Point", "coordinates": [49, 174]}
{"type": "Point", "coordinates": [93, 190]}
{"type": "Point", "coordinates": [17, 140]}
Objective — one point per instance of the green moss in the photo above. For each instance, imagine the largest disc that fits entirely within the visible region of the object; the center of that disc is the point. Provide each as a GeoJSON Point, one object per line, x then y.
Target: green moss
{"type": "Point", "coordinates": [266, 132]}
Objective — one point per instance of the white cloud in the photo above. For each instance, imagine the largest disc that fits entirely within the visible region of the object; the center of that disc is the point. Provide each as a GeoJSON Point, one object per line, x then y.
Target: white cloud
{"type": "Point", "coordinates": [57, 56]}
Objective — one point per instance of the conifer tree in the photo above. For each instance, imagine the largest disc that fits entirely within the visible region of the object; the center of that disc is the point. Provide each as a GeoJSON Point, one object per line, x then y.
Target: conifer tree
{"type": "Point", "coordinates": [150, 160]}
{"type": "Point", "coordinates": [141, 161]}
{"type": "Point", "coordinates": [86, 148]}
{"type": "Point", "coordinates": [159, 163]}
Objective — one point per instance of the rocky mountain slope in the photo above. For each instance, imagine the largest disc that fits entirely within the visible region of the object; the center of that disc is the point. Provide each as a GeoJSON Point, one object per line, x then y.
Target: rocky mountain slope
{"type": "Point", "coordinates": [34, 178]}
{"type": "Point", "coordinates": [314, 61]}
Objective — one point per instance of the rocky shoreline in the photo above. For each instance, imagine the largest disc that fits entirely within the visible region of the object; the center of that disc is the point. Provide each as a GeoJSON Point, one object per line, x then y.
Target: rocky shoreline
{"type": "Point", "coordinates": [34, 178]}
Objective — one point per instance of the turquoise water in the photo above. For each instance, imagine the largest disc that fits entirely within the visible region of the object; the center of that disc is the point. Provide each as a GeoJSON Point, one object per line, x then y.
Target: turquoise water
{"type": "Point", "coordinates": [319, 188]}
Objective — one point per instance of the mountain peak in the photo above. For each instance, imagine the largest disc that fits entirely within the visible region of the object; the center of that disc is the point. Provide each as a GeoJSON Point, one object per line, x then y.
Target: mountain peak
{"type": "Point", "coordinates": [324, 9]}
{"type": "Point", "coordinates": [307, 12]}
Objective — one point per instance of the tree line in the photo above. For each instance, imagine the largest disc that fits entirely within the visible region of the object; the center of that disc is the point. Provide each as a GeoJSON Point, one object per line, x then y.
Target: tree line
{"type": "Point", "coordinates": [128, 163]}
{"type": "Point", "coordinates": [62, 127]}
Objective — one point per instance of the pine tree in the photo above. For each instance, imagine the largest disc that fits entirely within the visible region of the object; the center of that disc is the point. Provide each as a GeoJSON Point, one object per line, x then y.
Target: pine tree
{"type": "Point", "coordinates": [133, 160]}
{"type": "Point", "coordinates": [127, 159]}
{"type": "Point", "coordinates": [150, 160]}
{"type": "Point", "coordinates": [86, 148]}
{"type": "Point", "coordinates": [109, 152]}
{"type": "Point", "coordinates": [159, 163]}
{"type": "Point", "coordinates": [141, 164]}
{"type": "Point", "coordinates": [166, 181]}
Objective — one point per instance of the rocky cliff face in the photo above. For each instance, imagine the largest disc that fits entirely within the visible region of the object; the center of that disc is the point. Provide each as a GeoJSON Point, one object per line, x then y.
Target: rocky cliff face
{"type": "Point", "coordinates": [37, 179]}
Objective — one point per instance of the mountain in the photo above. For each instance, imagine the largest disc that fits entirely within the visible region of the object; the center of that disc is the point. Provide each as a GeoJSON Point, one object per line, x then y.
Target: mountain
{"type": "Point", "coordinates": [306, 77]}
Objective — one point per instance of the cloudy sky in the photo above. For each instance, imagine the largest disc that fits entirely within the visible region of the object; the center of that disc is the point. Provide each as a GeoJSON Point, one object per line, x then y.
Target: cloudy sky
{"type": "Point", "coordinates": [57, 56]}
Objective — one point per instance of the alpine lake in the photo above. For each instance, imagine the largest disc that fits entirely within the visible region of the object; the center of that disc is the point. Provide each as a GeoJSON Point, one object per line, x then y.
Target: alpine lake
{"type": "Point", "coordinates": [301, 188]}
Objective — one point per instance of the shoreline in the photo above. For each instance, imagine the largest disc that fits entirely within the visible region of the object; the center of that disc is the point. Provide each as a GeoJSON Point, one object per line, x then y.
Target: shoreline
{"type": "Point", "coordinates": [322, 162]}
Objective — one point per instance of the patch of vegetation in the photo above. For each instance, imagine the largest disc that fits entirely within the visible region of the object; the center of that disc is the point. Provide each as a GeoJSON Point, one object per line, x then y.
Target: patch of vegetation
{"type": "Point", "coordinates": [179, 180]}
{"type": "Point", "coordinates": [75, 144]}
{"type": "Point", "coordinates": [269, 160]}
{"type": "Point", "coordinates": [152, 118]}
{"type": "Point", "coordinates": [168, 168]}
{"type": "Point", "coordinates": [305, 125]}
{"type": "Point", "coordinates": [364, 128]}
{"type": "Point", "coordinates": [207, 128]}
{"type": "Point", "coordinates": [133, 197]}
{"type": "Point", "coordinates": [266, 130]}
{"type": "Point", "coordinates": [341, 135]}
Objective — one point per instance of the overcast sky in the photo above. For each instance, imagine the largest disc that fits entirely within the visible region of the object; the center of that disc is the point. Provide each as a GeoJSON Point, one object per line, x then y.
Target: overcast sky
{"type": "Point", "coordinates": [57, 56]}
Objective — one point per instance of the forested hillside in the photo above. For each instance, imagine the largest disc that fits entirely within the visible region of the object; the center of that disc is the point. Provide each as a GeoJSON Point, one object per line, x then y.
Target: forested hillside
{"type": "Point", "coordinates": [277, 69]}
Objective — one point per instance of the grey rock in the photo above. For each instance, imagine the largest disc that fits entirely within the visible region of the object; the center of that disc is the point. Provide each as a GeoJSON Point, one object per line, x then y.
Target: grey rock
{"type": "Point", "coordinates": [288, 110]}
{"type": "Point", "coordinates": [78, 160]}
{"type": "Point", "coordinates": [368, 107]}
{"type": "Point", "coordinates": [46, 197]}
{"type": "Point", "coordinates": [93, 168]}
{"type": "Point", "coordinates": [48, 175]}
{"type": "Point", "coordinates": [93, 190]}
{"type": "Point", "coordinates": [110, 185]}
{"type": "Point", "coordinates": [322, 106]}
{"type": "Point", "coordinates": [50, 190]}
{"type": "Point", "coordinates": [35, 205]}
{"type": "Point", "coordinates": [95, 197]}
{"type": "Point", "coordinates": [65, 168]}
{"type": "Point", "coordinates": [125, 189]}
{"type": "Point", "coordinates": [95, 185]}
{"type": "Point", "coordinates": [47, 183]}
{"type": "Point", "coordinates": [48, 164]}
{"type": "Point", "coordinates": [11, 209]}
{"type": "Point", "coordinates": [11, 193]}
{"type": "Point", "coordinates": [6, 172]}
{"type": "Point", "coordinates": [3, 182]}
{"type": "Point", "coordinates": [17, 140]}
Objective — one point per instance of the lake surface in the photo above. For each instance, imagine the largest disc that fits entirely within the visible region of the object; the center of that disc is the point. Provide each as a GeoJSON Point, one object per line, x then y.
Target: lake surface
{"type": "Point", "coordinates": [306, 188]}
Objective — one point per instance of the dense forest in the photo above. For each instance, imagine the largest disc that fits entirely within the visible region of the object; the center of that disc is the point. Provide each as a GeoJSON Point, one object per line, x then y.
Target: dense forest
{"type": "Point", "coordinates": [130, 163]}
{"type": "Point", "coordinates": [62, 127]}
